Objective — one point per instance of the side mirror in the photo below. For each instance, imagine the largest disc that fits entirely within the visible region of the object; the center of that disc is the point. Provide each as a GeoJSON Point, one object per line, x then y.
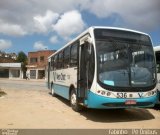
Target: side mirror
{"type": "Point", "coordinates": [86, 39]}
{"type": "Point", "coordinates": [89, 40]}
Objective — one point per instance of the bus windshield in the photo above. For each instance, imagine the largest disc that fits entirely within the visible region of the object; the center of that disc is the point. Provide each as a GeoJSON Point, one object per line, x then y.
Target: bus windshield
{"type": "Point", "coordinates": [126, 61]}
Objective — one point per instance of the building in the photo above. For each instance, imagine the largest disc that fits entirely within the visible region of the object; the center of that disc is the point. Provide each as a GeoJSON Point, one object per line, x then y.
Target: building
{"type": "Point", "coordinates": [37, 63]}
{"type": "Point", "coordinates": [11, 70]}
{"type": "Point", "coordinates": [7, 60]}
{"type": "Point", "coordinates": [8, 55]}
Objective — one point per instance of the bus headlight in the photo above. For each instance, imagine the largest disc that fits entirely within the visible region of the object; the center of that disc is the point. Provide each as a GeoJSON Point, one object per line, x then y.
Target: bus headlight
{"type": "Point", "coordinates": [104, 93]}
{"type": "Point", "coordinates": [149, 93]}
{"type": "Point", "coordinates": [108, 93]}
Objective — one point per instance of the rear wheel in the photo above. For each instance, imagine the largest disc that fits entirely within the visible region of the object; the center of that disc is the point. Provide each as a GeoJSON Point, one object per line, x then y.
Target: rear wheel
{"type": "Point", "coordinates": [73, 101]}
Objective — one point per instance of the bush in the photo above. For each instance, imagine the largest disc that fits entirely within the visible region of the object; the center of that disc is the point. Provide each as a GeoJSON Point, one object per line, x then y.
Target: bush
{"type": "Point", "coordinates": [2, 93]}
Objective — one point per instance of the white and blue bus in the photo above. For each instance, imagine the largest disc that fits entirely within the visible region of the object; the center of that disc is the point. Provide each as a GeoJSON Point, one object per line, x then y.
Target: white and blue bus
{"type": "Point", "coordinates": [157, 53]}
{"type": "Point", "coordinates": [105, 67]}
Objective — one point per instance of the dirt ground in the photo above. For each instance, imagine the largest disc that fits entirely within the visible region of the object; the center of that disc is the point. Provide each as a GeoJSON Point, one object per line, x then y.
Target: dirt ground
{"type": "Point", "coordinates": [29, 105]}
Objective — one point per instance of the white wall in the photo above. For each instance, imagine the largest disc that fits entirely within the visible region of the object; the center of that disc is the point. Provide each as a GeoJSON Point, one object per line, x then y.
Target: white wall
{"type": "Point", "coordinates": [15, 73]}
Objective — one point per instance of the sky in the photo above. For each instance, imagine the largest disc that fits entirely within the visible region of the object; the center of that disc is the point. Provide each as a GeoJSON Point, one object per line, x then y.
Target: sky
{"type": "Point", "coordinates": [32, 25]}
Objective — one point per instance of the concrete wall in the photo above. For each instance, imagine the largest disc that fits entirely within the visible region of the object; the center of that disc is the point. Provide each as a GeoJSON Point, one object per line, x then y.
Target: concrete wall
{"type": "Point", "coordinates": [36, 70]}
{"type": "Point", "coordinates": [38, 55]}
{"type": "Point", "coordinates": [11, 70]}
{"type": "Point", "coordinates": [36, 73]}
{"type": "Point", "coordinates": [15, 73]}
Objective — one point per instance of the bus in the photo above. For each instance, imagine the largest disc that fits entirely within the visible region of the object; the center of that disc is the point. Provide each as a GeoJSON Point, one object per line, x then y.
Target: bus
{"type": "Point", "coordinates": [105, 68]}
{"type": "Point", "coordinates": [157, 54]}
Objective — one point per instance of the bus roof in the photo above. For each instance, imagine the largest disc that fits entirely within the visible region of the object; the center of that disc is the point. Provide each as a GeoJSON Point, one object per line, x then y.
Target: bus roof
{"type": "Point", "coordinates": [118, 28]}
{"type": "Point", "coordinates": [92, 28]}
{"type": "Point", "coordinates": [157, 48]}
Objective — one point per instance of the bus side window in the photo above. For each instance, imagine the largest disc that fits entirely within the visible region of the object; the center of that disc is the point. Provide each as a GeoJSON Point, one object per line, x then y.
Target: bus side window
{"type": "Point", "coordinates": [52, 64]}
{"type": "Point", "coordinates": [73, 62]}
{"type": "Point", "coordinates": [67, 57]}
{"type": "Point", "coordinates": [55, 63]}
{"type": "Point", "coordinates": [60, 61]}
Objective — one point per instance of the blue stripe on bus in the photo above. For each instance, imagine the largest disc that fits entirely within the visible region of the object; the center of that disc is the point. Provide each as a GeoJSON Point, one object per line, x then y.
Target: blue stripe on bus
{"type": "Point", "coordinates": [96, 101]}
{"type": "Point", "coordinates": [61, 90]}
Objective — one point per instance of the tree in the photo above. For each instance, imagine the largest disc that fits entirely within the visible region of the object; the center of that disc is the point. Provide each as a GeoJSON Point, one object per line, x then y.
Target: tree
{"type": "Point", "coordinates": [22, 58]}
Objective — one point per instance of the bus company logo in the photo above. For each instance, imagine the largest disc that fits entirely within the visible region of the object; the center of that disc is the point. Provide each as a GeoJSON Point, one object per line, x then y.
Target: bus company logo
{"type": "Point", "coordinates": [140, 94]}
{"type": "Point", "coordinates": [60, 77]}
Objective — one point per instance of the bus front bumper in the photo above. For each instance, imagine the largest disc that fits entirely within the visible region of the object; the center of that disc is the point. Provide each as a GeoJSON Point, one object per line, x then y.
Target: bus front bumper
{"type": "Point", "coordinates": [100, 102]}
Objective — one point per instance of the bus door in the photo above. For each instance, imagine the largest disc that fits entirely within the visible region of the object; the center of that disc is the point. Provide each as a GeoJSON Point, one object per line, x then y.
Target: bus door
{"type": "Point", "coordinates": [48, 74]}
{"type": "Point", "coordinates": [83, 68]}
{"type": "Point", "coordinates": [82, 75]}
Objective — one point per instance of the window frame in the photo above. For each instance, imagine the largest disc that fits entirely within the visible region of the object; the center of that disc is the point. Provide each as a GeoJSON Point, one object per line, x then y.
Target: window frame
{"type": "Point", "coordinates": [66, 57]}
{"type": "Point", "coordinates": [74, 55]}
{"type": "Point", "coordinates": [60, 60]}
{"type": "Point", "coordinates": [33, 58]}
{"type": "Point", "coordinates": [41, 58]}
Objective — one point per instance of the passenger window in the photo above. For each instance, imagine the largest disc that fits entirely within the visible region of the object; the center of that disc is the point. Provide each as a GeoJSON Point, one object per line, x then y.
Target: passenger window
{"type": "Point", "coordinates": [67, 57]}
{"type": "Point", "coordinates": [52, 63]}
{"type": "Point", "coordinates": [73, 61]}
{"type": "Point", "coordinates": [60, 60]}
{"type": "Point", "coordinates": [55, 63]}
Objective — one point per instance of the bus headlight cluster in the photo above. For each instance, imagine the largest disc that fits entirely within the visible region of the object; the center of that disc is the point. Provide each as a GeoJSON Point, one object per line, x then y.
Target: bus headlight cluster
{"type": "Point", "coordinates": [151, 93]}
{"type": "Point", "coordinates": [104, 93]}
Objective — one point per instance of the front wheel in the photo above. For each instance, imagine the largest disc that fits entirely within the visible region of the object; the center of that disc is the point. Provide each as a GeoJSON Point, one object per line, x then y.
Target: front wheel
{"type": "Point", "coordinates": [73, 101]}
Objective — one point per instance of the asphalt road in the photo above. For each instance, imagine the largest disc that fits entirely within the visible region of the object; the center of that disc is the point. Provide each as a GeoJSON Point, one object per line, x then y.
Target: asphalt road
{"type": "Point", "coordinates": [28, 104]}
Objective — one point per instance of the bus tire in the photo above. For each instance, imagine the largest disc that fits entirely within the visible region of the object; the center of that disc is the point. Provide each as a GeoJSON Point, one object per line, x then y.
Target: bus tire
{"type": "Point", "coordinates": [52, 91]}
{"type": "Point", "coordinates": [73, 101]}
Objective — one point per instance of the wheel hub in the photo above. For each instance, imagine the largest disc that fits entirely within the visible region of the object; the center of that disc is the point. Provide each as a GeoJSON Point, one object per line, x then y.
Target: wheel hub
{"type": "Point", "coordinates": [73, 99]}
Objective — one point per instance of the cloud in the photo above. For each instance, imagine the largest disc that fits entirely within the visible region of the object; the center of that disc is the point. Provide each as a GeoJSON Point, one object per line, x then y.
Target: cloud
{"type": "Point", "coordinates": [70, 23]}
{"type": "Point", "coordinates": [39, 46]}
{"type": "Point", "coordinates": [142, 14]}
{"type": "Point", "coordinates": [43, 23]}
{"type": "Point", "coordinates": [32, 16]}
{"type": "Point", "coordinates": [5, 44]}
{"type": "Point", "coordinates": [11, 29]}
{"type": "Point", "coordinates": [53, 39]}
{"type": "Point", "coordinates": [22, 17]}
